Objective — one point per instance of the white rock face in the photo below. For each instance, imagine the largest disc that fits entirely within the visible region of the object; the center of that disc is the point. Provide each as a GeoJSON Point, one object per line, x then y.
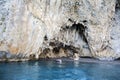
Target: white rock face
{"type": "Point", "coordinates": [36, 27]}
{"type": "Point", "coordinates": [115, 32]}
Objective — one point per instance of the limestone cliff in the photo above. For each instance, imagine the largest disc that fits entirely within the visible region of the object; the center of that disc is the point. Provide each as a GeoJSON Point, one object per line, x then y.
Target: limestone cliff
{"type": "Point", "coordinates": [59, 28]}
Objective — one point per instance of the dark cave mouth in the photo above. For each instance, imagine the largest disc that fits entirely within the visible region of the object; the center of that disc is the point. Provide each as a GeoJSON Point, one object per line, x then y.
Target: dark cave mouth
{"type": "Point", "coordinates": [117, 6]}
{"type": "Point", "coordinates": [80, 29]}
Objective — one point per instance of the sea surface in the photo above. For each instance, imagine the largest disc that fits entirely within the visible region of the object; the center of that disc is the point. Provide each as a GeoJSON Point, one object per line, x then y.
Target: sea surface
{"type": "Point", "coordinates": [52, 70]}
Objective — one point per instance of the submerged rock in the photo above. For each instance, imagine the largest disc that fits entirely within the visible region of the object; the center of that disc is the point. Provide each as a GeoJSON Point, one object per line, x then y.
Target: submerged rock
{"type": "Point", "coordinates": [58, 28]}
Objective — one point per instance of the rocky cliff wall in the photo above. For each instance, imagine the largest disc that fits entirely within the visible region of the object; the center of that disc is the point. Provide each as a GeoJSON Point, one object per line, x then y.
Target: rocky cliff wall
{"type": "Point", "coordinates": [59, 28]}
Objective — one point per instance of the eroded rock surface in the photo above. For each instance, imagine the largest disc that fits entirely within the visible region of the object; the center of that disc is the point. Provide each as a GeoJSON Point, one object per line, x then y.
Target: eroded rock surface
{"type": "Point", "coordinates": [58, 28]}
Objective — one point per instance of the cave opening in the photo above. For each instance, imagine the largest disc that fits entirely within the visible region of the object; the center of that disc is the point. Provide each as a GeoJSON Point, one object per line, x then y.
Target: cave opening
{"type": "Point", "coordinates": [117, 6]}
{"type": "Point", "coordinates": [77, 37]}
{"type": "Point", "coordinates": [80, 28]}
{"type": "Point", "coordinates": [72, 40]}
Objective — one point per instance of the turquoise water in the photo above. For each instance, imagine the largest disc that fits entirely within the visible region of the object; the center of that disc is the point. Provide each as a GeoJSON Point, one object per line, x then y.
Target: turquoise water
{"type": "Point", "coordinates": [51, 70]}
